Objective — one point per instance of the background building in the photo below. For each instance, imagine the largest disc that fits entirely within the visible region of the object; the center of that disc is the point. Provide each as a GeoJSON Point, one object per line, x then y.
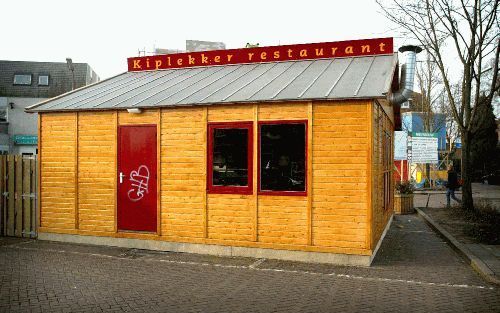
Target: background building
{"type": "Point", "coordinates": [24, 83]}
{"type": "Point", "coordinates": [416, 122]}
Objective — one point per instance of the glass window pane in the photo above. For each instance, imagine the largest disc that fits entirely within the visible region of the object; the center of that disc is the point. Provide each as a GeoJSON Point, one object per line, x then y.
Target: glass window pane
{"type": "Point", "coordinates": [43, 80]}
{"type": "Point", "coordinates": [282, 157]}
{"type": "Point", "coordinates": [230, 157]}
{"type": "Point", "coordinates": [22, 79]}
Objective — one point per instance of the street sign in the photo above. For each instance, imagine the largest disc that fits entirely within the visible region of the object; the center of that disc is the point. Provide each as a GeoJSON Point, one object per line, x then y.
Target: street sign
{"type": "Point", "coordinates": [25, 140]}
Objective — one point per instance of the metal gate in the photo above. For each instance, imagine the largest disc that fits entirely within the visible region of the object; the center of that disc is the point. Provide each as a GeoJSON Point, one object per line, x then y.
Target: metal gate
{"type": "Point", "coordinates": [18, 196]}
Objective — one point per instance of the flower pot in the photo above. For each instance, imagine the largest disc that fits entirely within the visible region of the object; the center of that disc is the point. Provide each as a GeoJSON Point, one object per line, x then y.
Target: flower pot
{"type": "Point", "coordinates": [403, 203]}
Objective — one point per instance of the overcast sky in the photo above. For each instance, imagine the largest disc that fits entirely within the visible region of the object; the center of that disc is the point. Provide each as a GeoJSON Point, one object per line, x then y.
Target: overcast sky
{"type": "Point", "coordinates": [104, 33]}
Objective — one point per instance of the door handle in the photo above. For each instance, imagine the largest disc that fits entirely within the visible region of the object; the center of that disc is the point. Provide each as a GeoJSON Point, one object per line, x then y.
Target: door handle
{"type": "Point", "coordinates": [121, 177]}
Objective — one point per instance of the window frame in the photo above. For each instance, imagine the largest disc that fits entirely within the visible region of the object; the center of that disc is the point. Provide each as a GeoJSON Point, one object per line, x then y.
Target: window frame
{"type": "Point", "coordinates": [22, 74]}
{"type": "Point", "coordinates": [242, 190]}
{"type": "Point", "coordinates": [306, 158]}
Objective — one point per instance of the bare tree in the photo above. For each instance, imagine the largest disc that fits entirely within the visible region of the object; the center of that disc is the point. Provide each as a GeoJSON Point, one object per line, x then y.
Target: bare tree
{"type": "Point", "coordinates": [428, 103]}
{"type": "Point", "coordinates": [468, 29]}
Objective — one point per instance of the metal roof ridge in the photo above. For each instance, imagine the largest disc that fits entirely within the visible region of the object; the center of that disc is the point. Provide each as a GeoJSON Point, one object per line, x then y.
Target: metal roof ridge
{"type": "Point", "coordinates": [269, 82]}
{"type": "Point", "coordinates": [231, 82]}
{"type": "Point", "coordinates": [338, 78]}
{"type": "Point", "coordinates": [249, 82]}
{"type": "Point", "coordinates": [30, 108]}
{"type": "Point", "coordinates": [203, 87]}
{"type": "Point", "coordinates": [86, 92]}
{"type": "Point", "coordinates": [104, 93]}
{"type": "Point", "coordinates": [388, 82]}
{"type": "Point", "coordinates": [264, 62]}
{"type": "Point", "coordinates": [148, 89]}
{"type": "Point", "coordinates": [364, 77]}
{"type": "Point", "coordinates": [165, 98]}
{"type": "Point", "coordinates": [163, 89]}
{"type": "Point", "coordinates": [292, 80]}
{"type": "Point", "coordinates": [315, 79]}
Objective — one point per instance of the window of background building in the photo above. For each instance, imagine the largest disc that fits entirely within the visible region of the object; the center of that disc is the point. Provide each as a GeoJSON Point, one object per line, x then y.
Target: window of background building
{"type": "Point", "coordinates": [283, 157]}
{"type": "Point", "coordinates": [22, 79]}
{"type": "Point", "coordinates": [230, 158]}
{"type": "Point", "coordinates": [43, 80]}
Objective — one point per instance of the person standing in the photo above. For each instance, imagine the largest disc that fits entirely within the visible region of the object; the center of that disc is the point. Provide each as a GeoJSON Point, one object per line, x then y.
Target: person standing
{"type": "Point", "coordinates": [451, 186]}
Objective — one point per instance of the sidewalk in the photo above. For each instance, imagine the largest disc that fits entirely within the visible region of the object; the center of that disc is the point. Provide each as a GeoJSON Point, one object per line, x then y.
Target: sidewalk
{"type": "Point", "coordinates": [480, 192]}
{"type": "Point", "coordinates": [485, 258]}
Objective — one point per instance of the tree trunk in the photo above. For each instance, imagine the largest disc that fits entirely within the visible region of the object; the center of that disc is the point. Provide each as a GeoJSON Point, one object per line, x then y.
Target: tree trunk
{"type": "Point", "coordinates": [467, 201]}
{"type": "Point", "coordinates": [428, 174]}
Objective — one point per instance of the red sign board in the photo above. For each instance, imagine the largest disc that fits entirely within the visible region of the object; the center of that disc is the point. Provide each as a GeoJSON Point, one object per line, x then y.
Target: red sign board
{"type": "Point", "coordinates": [323, 50]}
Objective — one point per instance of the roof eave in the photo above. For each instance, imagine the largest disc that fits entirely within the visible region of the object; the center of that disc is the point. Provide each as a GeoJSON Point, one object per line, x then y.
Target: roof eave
{"type": "Point", "coordinates": [211, 103]}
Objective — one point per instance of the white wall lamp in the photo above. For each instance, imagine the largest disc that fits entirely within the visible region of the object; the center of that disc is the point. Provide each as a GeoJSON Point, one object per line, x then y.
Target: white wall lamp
{"type": "Point", "coordinates": [134, 111]}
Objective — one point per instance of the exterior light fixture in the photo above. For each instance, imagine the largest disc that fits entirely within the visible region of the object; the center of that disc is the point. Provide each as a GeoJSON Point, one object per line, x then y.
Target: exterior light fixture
{"type": "Point", "coordinates": [134, 111]}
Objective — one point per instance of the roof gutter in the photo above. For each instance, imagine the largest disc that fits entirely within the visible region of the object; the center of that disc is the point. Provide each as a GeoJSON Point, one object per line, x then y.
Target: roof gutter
{"type": "Point", "coordinates": [407, 76]}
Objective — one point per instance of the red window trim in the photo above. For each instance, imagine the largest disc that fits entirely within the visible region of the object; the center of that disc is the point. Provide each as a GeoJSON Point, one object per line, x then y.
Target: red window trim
{"type": "Point", "coordinates": [281, 193]}
{"type": "Point", "coordinates": [243, 190]}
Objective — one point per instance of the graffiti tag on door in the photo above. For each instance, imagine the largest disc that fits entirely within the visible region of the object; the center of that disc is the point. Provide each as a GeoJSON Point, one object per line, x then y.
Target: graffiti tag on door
{"type": "Point", "coordinates": [139, 181]}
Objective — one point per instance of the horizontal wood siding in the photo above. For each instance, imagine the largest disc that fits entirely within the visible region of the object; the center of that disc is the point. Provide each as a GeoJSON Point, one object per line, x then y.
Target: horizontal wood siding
{"type": "Point", "coordinates": [182, 172]}
{"type": "Point", "coordinates": [283, 220]}
{"type": "Point", "coordinates": [340, 155]}
{"type": "Point", "coordinates": [284, 111]}
{"type": "Point", "coordinates": [230, 113]}
{"type": "Point", "coordinates": [57, 164]}
{"type": "Point", "coordinates": [332, 217]}
{"type": "Point", "coordinates": [230, 216]}
{"type": "Point", "coordinates": [96, 171]}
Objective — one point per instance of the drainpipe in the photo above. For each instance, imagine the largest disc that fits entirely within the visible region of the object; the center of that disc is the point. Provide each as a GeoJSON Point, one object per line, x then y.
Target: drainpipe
{"type": "Point", "coordinates": [407, 76]}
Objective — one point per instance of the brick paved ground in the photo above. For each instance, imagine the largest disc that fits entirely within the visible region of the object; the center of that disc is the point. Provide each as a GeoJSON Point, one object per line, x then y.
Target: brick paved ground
{"type": "Point", "coordinates": [415, 271]}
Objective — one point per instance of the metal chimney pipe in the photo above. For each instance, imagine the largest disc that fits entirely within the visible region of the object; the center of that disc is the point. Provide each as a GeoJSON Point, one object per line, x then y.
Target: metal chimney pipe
{"type": "Point", "coordinates": [407, 76]}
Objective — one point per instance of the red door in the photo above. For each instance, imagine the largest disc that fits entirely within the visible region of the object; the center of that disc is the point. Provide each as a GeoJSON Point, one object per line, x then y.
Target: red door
{"type": "Point", "coordinates": [137, 178]}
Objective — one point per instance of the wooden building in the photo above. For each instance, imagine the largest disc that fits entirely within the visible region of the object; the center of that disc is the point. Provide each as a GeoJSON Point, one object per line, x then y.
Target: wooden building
{"type": "Point", "coordinates": [286, 155]}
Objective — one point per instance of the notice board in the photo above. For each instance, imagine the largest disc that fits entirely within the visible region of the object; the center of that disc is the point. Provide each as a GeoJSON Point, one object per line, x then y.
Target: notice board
{"type": "Point", "coordinates": [424, 148]}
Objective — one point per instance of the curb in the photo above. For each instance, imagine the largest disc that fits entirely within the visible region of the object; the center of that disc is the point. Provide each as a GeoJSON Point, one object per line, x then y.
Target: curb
{"type": "Point", "coordinates": [476, 263]}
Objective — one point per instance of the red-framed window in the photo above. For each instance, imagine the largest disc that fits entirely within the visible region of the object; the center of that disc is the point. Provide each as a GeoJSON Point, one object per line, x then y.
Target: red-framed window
{"type": "Point", "coordinates": [230, 162]}
{"type": "Point", "coordinates": [282, 158]}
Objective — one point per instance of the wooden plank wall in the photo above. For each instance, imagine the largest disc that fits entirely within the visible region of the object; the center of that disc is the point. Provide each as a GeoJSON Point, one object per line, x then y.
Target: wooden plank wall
{"type": "Point", "coordinates": [96, 171]}
{"type": "Point", "coordinates": [58, 171]}
{"type": "Point", "coordinates": [17, 196]}
{"type": "Point", "coordinates": [380, 213]}
{"type": "Point", "coordinates": [340, 154]}
{"type": "Point", "coordinates": [332, 218]}
{"type": "Point", "coordinates": [183, 160]}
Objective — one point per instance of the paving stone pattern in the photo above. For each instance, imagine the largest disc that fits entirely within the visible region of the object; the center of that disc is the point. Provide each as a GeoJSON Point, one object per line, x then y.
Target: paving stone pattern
{"type": "Point", "coordinates": [415, 271]}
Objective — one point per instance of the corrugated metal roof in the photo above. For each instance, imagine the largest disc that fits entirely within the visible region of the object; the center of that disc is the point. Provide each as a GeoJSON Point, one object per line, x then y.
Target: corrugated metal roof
{"type": "Point", "coordinates": [342, 78]}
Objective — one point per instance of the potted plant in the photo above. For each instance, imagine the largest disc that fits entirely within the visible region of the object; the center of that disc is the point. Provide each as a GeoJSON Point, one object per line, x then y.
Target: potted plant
{"type": "Point", "coordinates": [403, 198]}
